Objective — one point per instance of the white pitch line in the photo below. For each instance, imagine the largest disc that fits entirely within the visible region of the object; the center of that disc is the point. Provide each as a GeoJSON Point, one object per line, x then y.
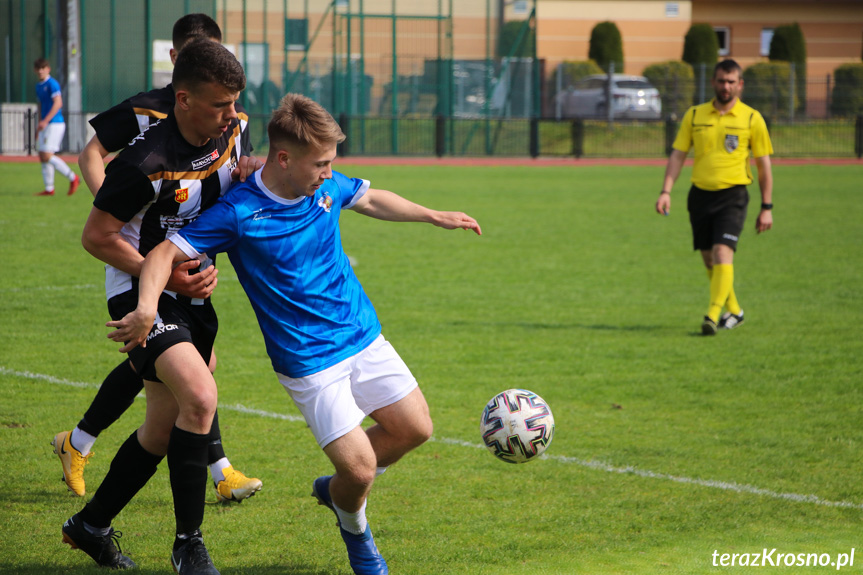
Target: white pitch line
{"type": "Point", "coordinates": [724, 485]}
{"type": "Point", "coordinates": [590, 464]}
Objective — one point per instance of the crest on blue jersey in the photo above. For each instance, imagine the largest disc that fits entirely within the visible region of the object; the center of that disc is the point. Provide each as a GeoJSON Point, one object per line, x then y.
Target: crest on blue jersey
{"type": "Point", "coordinates": [325, 202]}
{"type": "Point", "coordinates": [731, 142]}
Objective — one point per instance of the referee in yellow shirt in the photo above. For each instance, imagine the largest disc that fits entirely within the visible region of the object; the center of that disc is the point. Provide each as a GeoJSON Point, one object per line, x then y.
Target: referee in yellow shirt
{"type": "Point", "coordinates": [723, 132]}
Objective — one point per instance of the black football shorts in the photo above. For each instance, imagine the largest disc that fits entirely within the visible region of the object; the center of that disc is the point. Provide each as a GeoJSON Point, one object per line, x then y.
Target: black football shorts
{"type": "Point", "coordinates": [717, 217]}
{"type": "Point", "coordinates": [178, 320]}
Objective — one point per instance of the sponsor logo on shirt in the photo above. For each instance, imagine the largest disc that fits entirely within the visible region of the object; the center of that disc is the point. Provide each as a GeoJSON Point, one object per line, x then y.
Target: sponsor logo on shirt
{"type": "Point", "coordinates": [206, 160]}
{"type": "Point", "coordinates": [173, 223]}
{"type": "Point", "coordinates": [260, 215]}
{"type": "Point", "coordinates": [181, 195]}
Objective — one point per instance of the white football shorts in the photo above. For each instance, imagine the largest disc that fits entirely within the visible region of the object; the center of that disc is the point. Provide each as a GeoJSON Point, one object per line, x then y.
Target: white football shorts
{"type": "Point", "coordinates": [336, 400]}
{"type": "Point", "coordinates": [51, 138]}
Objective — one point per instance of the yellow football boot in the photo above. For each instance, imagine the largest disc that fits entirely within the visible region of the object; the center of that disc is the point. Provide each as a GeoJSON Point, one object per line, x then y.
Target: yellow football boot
{"type": "Point", "coordinates": [73, 462]}
{"type": "Point", "coordinates": [236, 486]}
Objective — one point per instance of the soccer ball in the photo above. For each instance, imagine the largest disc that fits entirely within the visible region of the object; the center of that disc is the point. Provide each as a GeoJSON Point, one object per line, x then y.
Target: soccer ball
{"type": "Point", "coordinates": [517, 425]}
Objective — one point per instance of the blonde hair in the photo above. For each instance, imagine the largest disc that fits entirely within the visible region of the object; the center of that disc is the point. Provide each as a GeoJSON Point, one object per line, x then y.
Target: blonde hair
{"type": "Point", "coordinates": [301, 122]}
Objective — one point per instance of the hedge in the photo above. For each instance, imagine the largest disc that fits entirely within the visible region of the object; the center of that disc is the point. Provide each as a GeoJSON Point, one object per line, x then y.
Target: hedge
{"type": "Point", "coordinates": [675, 81]}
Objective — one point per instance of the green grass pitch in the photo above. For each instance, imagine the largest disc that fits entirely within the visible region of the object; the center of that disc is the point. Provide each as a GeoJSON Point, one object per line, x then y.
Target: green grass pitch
{"type": "Point", "coordinates": [669, 446]}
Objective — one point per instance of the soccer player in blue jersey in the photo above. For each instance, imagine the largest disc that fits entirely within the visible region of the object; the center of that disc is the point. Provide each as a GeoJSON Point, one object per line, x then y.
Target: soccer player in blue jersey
{"type": "Point", "coordinates": [281, 231]}
{"type": "Point", "coordinates": [50, 130]}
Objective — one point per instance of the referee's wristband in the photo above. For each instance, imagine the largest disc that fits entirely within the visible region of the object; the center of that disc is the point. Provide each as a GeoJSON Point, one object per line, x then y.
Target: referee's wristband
{"type": "Point", "coordinates": [766, 206]}
{"type": "Point", "coordinates": [664, 192]}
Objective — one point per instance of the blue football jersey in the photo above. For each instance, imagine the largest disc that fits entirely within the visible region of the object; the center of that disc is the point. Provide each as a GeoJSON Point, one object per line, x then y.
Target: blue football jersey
{"type": "Point", "coordinates": [289, 258]}
{"type": "Point", "coordinates": [45, 92]}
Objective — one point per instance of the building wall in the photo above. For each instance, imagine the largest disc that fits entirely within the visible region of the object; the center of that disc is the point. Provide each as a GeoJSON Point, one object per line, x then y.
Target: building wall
{"type": "Point", "coordinates": [833, 29]}
{"type": "Point", "coordinates": [649, 34]}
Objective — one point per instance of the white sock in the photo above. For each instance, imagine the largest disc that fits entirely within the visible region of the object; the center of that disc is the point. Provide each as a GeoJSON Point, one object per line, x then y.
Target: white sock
{"type": "Point", "coordinates": [48, 176]}
{"type": "Point", "coordinates": [217, 469]}
{"type": "Point", "coordinates": [62, 167]}
{"type": "Point", "coordinates": [82, 441]}
{"type": "Point", "coordinates": [352, 522]}
{"type": "Point", "coordinates": [380, 471]}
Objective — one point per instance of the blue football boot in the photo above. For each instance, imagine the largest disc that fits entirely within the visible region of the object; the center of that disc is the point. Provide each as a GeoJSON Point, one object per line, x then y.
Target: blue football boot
{"type": "Point", "coordinates": [363, 554]}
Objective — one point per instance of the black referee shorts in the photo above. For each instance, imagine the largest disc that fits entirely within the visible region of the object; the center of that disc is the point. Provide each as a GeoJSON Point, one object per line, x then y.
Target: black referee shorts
{"type": "Point", "coordinates": [178, 320]}
{"type": "Point", "coordinates": [717, 217]}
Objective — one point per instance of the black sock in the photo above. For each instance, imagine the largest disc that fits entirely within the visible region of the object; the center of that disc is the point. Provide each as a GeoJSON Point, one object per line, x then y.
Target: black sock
{"type": "Point", "coordinates": [114, 397]}
{"type": "Point", "coordinates": [215, 451]}
{"type": "Point", "coordinates": [187, 462]}
{"type": "Point", "coordinates": [130, 470]}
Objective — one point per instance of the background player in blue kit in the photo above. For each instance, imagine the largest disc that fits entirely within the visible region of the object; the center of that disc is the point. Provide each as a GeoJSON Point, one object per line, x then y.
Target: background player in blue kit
{"type": "Point", "coordinates": [281, 230]}
{"type": "Point", "coordinates": [50, 130]}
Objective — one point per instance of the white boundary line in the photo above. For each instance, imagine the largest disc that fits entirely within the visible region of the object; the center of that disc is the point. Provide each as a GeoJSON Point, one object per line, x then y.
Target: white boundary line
{"type": "Point", "coordinates": [590, 464]}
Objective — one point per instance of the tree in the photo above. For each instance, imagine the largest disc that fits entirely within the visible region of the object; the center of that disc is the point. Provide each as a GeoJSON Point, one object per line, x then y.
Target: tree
{"type": "Point", "coordinates": [518, 39]}
{"type": "Point", "coordinates": [571, 72]}
{"type": "Point", "coordinates": [789, 45]}
{"type": "Point", "coordinates": [606, 46]}
{"type": "Point", "coordinates": [766, 88]}
{"type": "Point", "coordinates": [700, 46]}
{"type": "Point", "coordinates": [676, 84]}
{"type": "Point", "coordinates": [848, 91]}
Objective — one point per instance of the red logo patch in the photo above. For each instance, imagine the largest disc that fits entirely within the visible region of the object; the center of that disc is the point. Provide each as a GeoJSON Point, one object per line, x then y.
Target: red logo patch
{"type": "Point", "coordinates": [181, 195]}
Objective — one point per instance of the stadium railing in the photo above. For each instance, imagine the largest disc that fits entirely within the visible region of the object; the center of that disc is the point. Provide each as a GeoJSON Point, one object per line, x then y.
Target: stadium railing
{"type": "Point", "coordinates": [503, 137]}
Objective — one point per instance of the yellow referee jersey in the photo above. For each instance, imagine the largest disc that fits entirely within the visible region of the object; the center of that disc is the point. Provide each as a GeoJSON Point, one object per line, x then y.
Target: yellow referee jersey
{"type": "Point", "coordinates": [722, 143]}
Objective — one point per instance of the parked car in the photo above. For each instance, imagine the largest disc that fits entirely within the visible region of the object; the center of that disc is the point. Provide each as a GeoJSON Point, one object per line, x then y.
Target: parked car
{"type": "Point", "coordinates": [632, 97]}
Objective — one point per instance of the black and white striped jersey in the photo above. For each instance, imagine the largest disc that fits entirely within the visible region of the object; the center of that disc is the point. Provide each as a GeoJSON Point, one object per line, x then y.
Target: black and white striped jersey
{"type": "Point", "coordinates": [119, 125]}
{"type": "Point", "coordinates": [159, 183]}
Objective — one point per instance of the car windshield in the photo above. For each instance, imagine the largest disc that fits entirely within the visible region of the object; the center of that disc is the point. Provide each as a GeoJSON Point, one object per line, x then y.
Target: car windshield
{"type": "Point", "coordinates": [634, 84]}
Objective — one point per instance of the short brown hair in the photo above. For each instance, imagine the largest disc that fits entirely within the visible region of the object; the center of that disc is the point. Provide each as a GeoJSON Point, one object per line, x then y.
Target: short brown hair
{"type": "Point", "coordinates": [193, 26]}
{"type": "Point", "coordinates": [728, 66]}
{"type": "Point", "coordinates": [41, 63]}
{"type": "Point", "coordinates": [300, 121]}
{"type": "Point", "coordinates": [204, 61]}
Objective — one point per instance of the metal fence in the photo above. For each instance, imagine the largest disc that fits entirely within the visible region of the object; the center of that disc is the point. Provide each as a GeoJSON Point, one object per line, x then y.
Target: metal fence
{"type": "Point", "coordinates": [476, 137]}
{"type": "Point", "coordinates": [780, 94]}
{"type": "Point", "coordinates": [403, 77]}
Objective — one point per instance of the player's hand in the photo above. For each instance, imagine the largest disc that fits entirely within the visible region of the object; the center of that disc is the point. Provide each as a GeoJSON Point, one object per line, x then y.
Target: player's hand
{"type": "Point", "coordinates": [663, 204]}
{"type": "Point", "coordinates": [457, 220]}
{"type": "Point", "coordinates": [41, 125]}
{"type": "Point", "coordinates": [246, 166]}
{"type": "Point", "coordinates": [132, 329]}
{"type": "Point", "coordinates": [200, 285]}
{"type": "Point", "coordinates": [764, 221]}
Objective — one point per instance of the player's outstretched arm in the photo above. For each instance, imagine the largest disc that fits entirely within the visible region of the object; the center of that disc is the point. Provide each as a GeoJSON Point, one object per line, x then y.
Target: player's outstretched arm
{"type": "Point", "coordinates": [385, 205]}
{"type": "Point", "coordinates": [155, 272]}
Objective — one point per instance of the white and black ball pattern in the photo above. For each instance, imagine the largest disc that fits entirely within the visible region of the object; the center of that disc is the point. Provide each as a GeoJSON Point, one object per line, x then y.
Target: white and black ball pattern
{"type": "Point", "coordinates": [517, 426]}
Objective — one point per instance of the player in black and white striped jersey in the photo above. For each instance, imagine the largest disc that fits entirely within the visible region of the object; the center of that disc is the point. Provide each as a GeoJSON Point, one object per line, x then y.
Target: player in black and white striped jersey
{"type": "Point", "coordinates": [115, 129]}
{"type": "Point", "coordinates": [178, 167]}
